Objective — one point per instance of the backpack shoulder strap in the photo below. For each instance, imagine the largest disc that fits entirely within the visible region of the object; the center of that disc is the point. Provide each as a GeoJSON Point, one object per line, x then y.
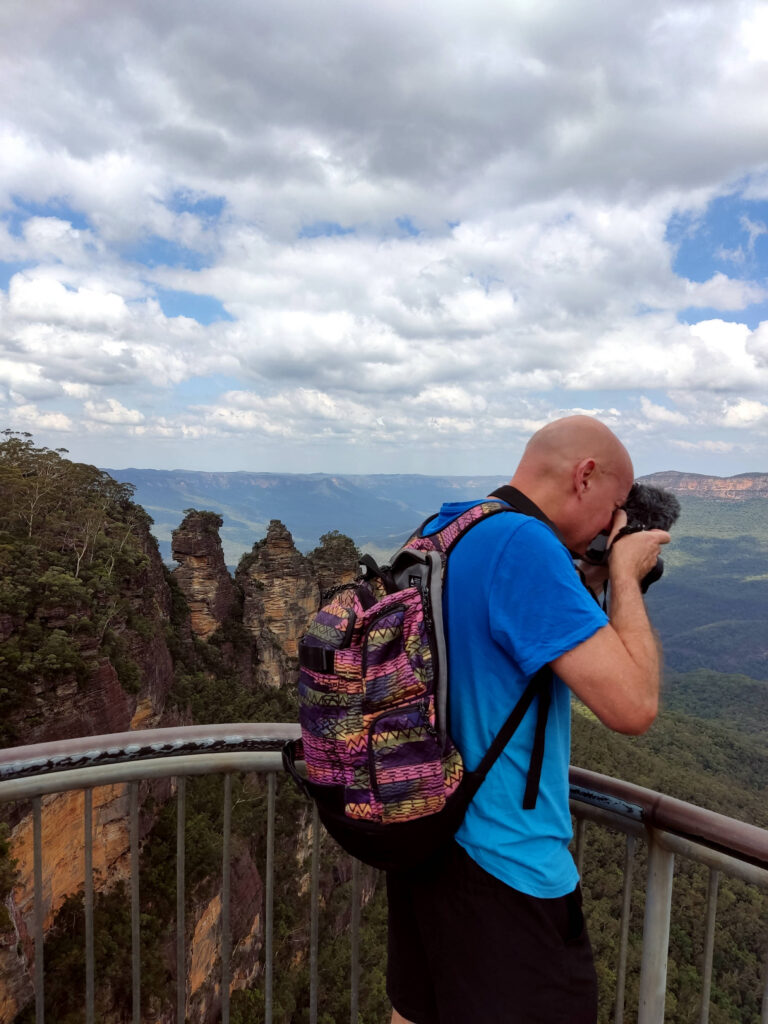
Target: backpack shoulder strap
{"type": "Point", "coordinates": [539, 686]}
{"type": "Point", "coordinates": [511, 500]}
{"type": "Point", "coordinates": [541, 683]}
{"type": "Point", "coordinates": [446, 539]}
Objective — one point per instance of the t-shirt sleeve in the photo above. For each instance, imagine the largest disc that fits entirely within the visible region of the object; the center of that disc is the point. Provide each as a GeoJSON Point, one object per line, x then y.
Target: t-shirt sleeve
{"type": "Point", "coordinates": [539, 608]}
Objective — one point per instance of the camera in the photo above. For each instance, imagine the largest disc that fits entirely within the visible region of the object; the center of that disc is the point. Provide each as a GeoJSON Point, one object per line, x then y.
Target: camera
{"type": "Point", "coordinates": [647, 508]}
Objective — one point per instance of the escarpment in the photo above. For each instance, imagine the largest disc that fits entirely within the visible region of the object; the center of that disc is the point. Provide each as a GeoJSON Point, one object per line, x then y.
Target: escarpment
{"type": "Point", "coordinates": [98, 637]}
{"type": "Point", "coordinates": [724, 488]}
{"type": "Point", "coordinates": [280, 593]}
{"type": "Point", "coordinates": [202, 575]}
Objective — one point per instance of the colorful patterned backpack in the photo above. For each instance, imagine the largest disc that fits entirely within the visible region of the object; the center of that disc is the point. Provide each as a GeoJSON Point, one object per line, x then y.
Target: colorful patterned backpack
{"type": "Point", "coordinates": [389, 783]}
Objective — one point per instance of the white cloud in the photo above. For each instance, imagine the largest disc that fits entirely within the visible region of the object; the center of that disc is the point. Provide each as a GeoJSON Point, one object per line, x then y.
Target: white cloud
{"type": "Point", "coordinates": [660, 413]}
{"type": "Point", "coordinates": [745, 412]}
{"type": "Point", "coordinates": [112, 411]}
{"type": "Point", "coordinates": [507, 177]}
{"type": "Point", "coordinates": [757, 344]}
{"type": "Point", "coordinates": [45, 300]}
{"type": "Point", "coordinates": [715, 447]}
{"type": "Point", "coordinates": [753, 31]}
{"type": "Point", "coordinates": [723, 292]}
{"type": "Point", "coordinates": [31, 417]}
{"type": "Point", "coordinates": [22, 379]}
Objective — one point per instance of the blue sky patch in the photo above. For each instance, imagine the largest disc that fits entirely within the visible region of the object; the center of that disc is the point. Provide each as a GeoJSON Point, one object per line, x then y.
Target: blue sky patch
{"type": "Point", "coordinates": [23, 209]}
{"type": "Point", "coordinates": [752, 315]}
{"type": "Point", "coordinates": [203, 308]}
{"type": "Point", "coordinates": [407, 226]}
{"type": "Point", "coordinates": [207, 207]}
{"type": "Point", "coordinates": [154, 251]}
{"type": "Point", "coordinates": [7, 270]}
{"type": "Point", "coordinates": [324, 229]}
{"type": "Point", "coordinates": [731, 238]}
{"type": "Point", "coordinates": [206, 389]}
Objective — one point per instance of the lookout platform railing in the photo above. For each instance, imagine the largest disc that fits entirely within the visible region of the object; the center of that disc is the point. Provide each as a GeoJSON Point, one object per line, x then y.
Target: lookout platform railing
{"type": "Point", "coordinates": [670, 828]}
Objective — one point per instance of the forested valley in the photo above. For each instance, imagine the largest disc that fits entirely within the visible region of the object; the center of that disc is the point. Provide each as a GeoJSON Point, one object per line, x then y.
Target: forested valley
{"type": "Point", "coordinates": [97, 635]}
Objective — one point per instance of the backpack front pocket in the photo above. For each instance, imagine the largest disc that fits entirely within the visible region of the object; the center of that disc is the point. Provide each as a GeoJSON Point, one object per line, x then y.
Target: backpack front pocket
{"type": "Point", "coordinates": [329, 719]}
{"type": "Point", "coordinates": [405, 763]}
{"type": "Point", "coordinates": [396, 656]}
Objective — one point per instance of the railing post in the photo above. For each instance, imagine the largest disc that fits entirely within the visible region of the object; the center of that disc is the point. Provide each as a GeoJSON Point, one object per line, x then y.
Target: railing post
{"type": "Point", "coordinates": [581, 835]}
{"type": "Point", "coordinates": [37, 815]}
{"type": "Point", "coordinates": [88, 904]}
{"type": "Point", "coordinates": [226, 938]}
{"type": "Point", "coordinates": [658, 904]}
{"type": "Point", "coordinates": [626, 906]}
{"type": "Point", "coordinates": [709, 945]}
{"type": "Point", "coordinates": [354, 943]}
{"type": "Point", "coordinates": [314, 928]}
{"type": "Point", "coordinates": [135, 909]}
{"type": "Point", "coordinates": [269, 898]}
{"type": "Point", "coordinates": [181, 962]}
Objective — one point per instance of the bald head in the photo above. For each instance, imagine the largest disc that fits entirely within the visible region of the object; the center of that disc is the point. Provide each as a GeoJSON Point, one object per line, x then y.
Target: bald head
{"type": "Point", "coordinates": [559, 445]}
{"type": "Point", "coordinates": [578, 472]}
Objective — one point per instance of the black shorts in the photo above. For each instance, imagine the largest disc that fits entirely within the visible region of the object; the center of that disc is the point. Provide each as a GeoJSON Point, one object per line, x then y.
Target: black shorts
{"type": "Point", "coordinates": [464, 948]}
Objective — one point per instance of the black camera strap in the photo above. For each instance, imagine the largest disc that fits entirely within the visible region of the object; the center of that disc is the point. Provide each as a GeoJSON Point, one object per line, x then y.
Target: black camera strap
{"type": "Point", "coordinates": [512, 496]}
{"type": "Point", "coordinates": [541, 684]}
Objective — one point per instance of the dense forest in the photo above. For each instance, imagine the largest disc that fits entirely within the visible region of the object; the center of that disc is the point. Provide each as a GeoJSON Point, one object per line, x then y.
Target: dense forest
{"type": "Point", "coordinates": [78, 593]}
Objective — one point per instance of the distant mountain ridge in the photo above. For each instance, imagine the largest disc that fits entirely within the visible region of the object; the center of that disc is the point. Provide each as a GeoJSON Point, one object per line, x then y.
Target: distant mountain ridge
{"type": "Point", "coordinates": [698, 485]}
{"type": "Point", "coordinates": [377, 510]}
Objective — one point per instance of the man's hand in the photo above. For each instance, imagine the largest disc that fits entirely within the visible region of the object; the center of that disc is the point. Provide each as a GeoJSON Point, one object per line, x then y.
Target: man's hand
{"type": "Point", "coordinates": [616, 671]}
{"type": "Point", "coordinates": [634, 555]}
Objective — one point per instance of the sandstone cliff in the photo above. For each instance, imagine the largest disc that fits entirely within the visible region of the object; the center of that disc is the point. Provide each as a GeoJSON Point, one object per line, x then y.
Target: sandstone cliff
{"type": "Point", "coordinates": [247, 901]}
{"type": "Point", "coordinates": [280, 593]}
{"type": "Point", "coordinates": [126, 636]}
{"type": "Point", "coordinates": [98, 648]}
{"type": "Point", "coordinates": [335, 561]}
{"type": "Point", "coordinates": [725, 488]}
{"type": "Point", "coordinates": [202, 574]}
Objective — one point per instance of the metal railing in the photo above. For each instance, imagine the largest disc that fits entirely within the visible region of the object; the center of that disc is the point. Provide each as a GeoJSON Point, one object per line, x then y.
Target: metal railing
{"type": "Point", "coordinates": [670, 827]}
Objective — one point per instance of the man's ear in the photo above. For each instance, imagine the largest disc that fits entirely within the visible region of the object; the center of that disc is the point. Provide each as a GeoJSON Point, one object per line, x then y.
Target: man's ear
{"type": "Point", "coordinates": [583, 473]}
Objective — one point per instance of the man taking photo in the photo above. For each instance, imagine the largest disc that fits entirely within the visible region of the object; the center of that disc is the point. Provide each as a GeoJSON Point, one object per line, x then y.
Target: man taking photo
{"type": "Point", "coordinates": [491, 930]}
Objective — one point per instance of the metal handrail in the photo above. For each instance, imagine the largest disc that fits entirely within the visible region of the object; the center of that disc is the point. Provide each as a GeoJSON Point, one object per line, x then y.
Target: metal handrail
{"type": "Point", "coordinates": [671, 827]}
{"type": "Point", "coordinates": [736, 838]}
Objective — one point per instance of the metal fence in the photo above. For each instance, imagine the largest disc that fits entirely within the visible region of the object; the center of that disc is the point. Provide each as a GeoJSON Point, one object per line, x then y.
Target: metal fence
{"type": "Point", "coordinates": [670, 828]}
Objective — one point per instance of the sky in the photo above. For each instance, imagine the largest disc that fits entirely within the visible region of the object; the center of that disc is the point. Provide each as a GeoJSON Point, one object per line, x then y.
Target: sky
{"type": "Point", "coordinates": [336, 236]}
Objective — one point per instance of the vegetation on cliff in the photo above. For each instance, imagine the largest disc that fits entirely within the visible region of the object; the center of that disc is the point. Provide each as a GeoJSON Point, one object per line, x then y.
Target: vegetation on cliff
{"type": "Point", "coordinates": [73, 546]}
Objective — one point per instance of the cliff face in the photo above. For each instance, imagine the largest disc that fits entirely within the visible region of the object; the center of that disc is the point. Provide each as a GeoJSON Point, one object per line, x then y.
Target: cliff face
{"type": "Point", "coordinates": [335, 561]}
{"type": "Point", "coordinates": [247, 900]}
{"type": "Point", "coordinates": [280, 593]}
{"type": "Point", "coordinates": [279, 588]}
{"type": "Point", "coordinates": [64, 854]}
{"type": "Point", "coordinates": [202, 573]}
{"type": "Point", "coordinates": [66, 706]}
{"type": "Point", "coordinates": [725, 488]}
{"type": "Point", "coordinates": [115, 650]}
{"type": "Point", "coordinates": [15, 981]}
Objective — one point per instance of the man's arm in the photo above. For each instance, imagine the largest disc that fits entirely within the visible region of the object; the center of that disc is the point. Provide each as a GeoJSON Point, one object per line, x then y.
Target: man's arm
{"type": "Point", "coordinates": [616, 672]}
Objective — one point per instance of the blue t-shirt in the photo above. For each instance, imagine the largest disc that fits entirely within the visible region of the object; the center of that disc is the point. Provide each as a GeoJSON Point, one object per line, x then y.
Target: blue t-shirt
{"type": "Point", "coordinates": [512, 603]}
